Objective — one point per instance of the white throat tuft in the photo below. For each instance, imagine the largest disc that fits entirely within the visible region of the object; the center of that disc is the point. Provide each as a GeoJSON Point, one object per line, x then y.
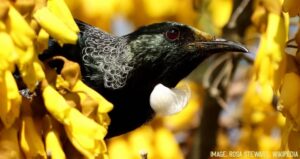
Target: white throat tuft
{"type": "Point", "coordinates": [166, 101]}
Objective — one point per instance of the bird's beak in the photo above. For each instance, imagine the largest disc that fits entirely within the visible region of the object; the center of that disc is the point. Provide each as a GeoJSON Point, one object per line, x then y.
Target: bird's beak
{"type": "Point", "coordinates": [220, 45]}
{"type": "Point", "coordinates": [208, 44]}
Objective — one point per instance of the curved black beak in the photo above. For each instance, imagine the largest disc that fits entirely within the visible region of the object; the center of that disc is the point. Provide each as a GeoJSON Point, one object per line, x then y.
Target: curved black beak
{"type": "Point", "coordinates": [220, 45]}
{"type": "Point", "coordinates": [207, 43]}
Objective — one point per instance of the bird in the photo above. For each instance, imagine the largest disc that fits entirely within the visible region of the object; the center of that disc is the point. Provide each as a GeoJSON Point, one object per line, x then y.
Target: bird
{"type": "Point", "coordinates": [137, 72]}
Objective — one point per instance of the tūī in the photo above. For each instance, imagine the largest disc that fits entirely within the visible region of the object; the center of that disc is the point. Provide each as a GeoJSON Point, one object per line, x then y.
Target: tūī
{"type": "Point", "coordinates": [137, 71]}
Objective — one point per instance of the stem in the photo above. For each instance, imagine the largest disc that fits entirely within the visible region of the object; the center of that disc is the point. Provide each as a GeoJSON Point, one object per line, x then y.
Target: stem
{"type": "Point", "coordinates": [239, 10]}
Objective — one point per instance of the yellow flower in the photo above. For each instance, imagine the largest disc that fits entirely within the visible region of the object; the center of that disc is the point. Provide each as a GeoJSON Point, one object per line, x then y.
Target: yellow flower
{"type": "Point", "coordinates": [10, 99]}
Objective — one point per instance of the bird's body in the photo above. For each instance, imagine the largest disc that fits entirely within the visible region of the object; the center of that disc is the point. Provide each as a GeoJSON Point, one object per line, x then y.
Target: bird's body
{"type": "Point", "coordinates": [126, 69]}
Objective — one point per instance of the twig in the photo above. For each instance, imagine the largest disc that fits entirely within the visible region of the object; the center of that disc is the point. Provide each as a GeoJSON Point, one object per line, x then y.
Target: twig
{"type": "Point", "coordinates": [246, 58]}
{"type": "Point", "coordinates": [290, 41]}
{"type": "Point", "coordinates": [223, 77]}
{"type": "Point", "coordinates": [237, 13]}
{"type": "Point", "coordinates": [228, 69]}
{"type": "Point", "coordinates": [212, 67]}
{"type": "Point", "coordinates": [292, 46]}
{"type": "Point", "coordinates": [222, 102]}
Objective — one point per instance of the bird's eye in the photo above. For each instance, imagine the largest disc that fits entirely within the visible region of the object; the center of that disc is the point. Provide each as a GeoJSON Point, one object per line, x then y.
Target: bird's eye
{"type": "Point", "coordinates": [172, 34]}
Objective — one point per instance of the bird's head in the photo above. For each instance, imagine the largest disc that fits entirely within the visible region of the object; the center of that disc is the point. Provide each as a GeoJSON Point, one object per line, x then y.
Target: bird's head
{"type": "Point", "coordinates": [172, 50]}
{"type": "Point", "coordinates": [164, 53]}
